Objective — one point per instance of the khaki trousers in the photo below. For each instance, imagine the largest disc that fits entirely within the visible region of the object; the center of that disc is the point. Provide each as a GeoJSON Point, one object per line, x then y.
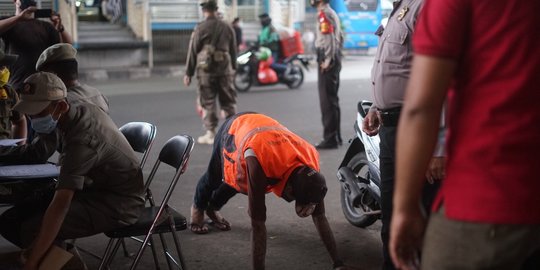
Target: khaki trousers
{"type": "Point", "coordinates": [458, 245]}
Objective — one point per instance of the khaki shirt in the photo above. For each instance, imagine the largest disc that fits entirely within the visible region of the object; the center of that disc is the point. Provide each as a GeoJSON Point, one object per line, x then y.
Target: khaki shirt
{"type": "Point", "coordinates": [84, 93]}
{"type": "Point", "coordinates": [330, 43]}
{"type": "Point", "coordinates": [392, 64]}
{"type": "Point", "coordinates": [98, 161]}
{"type": "Point", "coordinates": [8, 99]}
{"type": "Point", "coordinates": [225, 44]}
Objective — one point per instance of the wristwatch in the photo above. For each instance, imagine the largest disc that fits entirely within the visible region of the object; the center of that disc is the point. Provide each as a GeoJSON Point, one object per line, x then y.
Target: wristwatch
{"type": "Point", "coordinates": [61, 29]}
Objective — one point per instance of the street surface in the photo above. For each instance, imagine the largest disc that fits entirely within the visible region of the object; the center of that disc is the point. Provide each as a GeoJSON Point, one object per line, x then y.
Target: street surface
{"type": "Point", "coordinates": [292, 242]}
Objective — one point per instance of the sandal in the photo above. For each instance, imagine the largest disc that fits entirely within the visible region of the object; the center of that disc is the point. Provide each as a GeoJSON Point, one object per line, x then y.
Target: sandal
{"type": "Point", "coordinates": [198, 228]}
{"type": "Point", "coordinates": [218, 221]}
{"type": "Point", "coordinates": [196, 224]}
{"type": "Point", "coordinates": [222, 225]}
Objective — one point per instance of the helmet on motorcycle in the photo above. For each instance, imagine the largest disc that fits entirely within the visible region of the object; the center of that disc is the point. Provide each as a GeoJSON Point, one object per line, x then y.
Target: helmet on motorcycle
{"type": "Point", "coordinates": [314, 3]}
{"type": "Point", "coordinates": [263, 54]}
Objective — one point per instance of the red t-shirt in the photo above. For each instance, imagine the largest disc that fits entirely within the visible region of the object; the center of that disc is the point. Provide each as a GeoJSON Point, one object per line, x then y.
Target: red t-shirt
{"type": "Point", "coordinates": [493, 168]}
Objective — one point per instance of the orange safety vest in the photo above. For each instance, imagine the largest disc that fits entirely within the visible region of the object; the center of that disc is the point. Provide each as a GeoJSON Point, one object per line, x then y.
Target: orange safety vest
{"type": "Point", "coordinates": [278, 150]}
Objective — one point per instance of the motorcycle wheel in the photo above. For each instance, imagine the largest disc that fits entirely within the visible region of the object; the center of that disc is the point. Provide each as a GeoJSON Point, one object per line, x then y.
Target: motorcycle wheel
{"type": "Point", "coordinates": [298, 77]}
{"type": "Point", "coordinates": [242, 80]}
{"type": "Point", "coordinates": [356, 215]}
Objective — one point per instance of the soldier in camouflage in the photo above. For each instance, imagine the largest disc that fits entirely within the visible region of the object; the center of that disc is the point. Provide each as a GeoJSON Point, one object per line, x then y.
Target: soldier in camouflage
{"type": "Point", "coordinates": [212, 53]}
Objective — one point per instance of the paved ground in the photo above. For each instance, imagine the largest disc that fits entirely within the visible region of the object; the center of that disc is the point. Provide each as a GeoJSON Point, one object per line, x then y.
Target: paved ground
{"type": "Point", "coordinates": [292, 243]}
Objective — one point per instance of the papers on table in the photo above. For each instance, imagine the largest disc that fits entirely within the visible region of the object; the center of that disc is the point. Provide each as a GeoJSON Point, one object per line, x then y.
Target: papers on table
{"type": "Point", "coordinates": [29, 171]}
{"type": "Point", "coordinates": [10, 142]}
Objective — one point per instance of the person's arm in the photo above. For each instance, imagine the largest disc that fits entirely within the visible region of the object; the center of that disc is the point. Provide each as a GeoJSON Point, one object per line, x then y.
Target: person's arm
{"type": "Point", "coordinates": [7, 23]}
{"type": "Point", "coordinates": [19, 128]}
{"type": "Point", "coordinates": [56, 21]}
{"type": "Point", "coordinates": [330, 38]}
{"type": "Point", "coordinates": [436, 168]}
{"type": "Point", "coordinates": [417, 135]}
{"type": "Point", "coordinates": [52, 221]}
{"type": "Point", "coordinates": [325, 232]}
{"type": "Point", "coordinates": [233, 48]}
{"type": "Point", "coordinates": [39, 150]}
{"type": "Point", "coordinates": [191, 61]}
{"type": "Point", "coordinates": [257, 211]}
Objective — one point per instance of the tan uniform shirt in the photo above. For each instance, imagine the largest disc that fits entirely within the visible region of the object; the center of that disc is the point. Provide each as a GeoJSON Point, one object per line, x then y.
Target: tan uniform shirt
{"type": "Point", "coordinates": [330, 43]}
{"type": "Point", "coordinates": [225, 43]}
{"type": "Point", "coordinates": [98, 161]}
{"type": "Point", "coordinates": [8, 99]}
{"type": "Point", "coordinates": [392, 64]}
{"type": "Point", "coordinates": [44, 145]}
{"type": "Point", "coordinates": [84, 93]}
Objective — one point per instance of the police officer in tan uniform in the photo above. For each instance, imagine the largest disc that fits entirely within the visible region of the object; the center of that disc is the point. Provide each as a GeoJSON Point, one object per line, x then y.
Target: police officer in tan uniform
{"type": "Point", "coordinates": [212, 53]}
{"type": "Point", "coordinates": [389, 77]}
{"type": "Point", "coordinates": [329, 43]}
{"type": "Point", "coordinates": [12, 123]}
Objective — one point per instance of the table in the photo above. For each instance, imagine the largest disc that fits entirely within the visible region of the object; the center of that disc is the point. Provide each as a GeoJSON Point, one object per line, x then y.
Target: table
{"type": "Point", "coordinates": [28, 172]}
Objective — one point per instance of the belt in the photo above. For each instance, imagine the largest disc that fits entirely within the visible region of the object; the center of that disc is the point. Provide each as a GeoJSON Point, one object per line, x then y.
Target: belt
{"type": "Point", "coordinates": [390, 117]}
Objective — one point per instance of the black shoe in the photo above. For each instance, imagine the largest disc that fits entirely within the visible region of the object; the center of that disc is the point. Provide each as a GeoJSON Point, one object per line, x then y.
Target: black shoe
{"type": "Point", "coordinates": [327, 145]}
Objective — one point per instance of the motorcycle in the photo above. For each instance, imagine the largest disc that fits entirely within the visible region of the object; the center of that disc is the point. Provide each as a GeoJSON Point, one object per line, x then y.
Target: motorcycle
{"type": "Point", "coordinates": [254, 72]}
{"type": "Point", "coordinates": [359, 175]}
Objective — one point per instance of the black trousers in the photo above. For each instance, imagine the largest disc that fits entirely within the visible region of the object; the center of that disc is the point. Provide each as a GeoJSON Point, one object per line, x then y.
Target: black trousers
{"type": "Point", "coordinates": [328, 83]}
{"type": "Point", "coordinates": [387, 165]}
{"type": "Point", "coordinates": [211, 191]}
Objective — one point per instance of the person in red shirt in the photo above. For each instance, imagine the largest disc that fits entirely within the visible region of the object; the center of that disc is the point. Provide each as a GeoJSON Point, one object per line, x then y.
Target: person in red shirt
{"type": "Point", "coordinates": [486, 56]}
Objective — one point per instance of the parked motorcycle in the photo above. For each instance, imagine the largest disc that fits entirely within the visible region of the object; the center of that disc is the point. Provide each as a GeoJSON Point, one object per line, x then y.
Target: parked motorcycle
{"type": "Point", "coordinates": [253, 72]}
{"type": "Point", "coordinates": [359, 175]}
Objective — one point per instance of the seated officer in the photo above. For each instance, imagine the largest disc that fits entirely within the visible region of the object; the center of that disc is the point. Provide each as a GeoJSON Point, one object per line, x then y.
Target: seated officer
{"type": "Point", "coordinates": [100, 186]}
{"type": "Point", "coordinates": [254, 154]}
{"type": "Point", "coordinates": [61, 60]}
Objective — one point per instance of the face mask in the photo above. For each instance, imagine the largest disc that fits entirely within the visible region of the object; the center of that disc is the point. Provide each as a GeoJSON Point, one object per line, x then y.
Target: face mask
{"type": "Point", "coordinates": [45, 124]}
{"type": "Point", "coordinates": [4, 77]}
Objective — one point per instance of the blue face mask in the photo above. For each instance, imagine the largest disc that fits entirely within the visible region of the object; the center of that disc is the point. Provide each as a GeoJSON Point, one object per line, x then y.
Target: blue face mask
{"type": "Point", "coordinates": [45, 124]}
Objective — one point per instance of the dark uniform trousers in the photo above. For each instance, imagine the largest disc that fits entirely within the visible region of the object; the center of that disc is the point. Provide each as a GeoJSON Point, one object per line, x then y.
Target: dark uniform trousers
{"type": "Point", "coordinates": [329, 101]}
{"type": "Point", "coordinates": [387, 134]}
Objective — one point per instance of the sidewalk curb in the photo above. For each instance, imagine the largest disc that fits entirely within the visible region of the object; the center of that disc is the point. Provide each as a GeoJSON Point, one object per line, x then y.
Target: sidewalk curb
{"type": "Point", "coordinates": [130, 73]}
{"type": "Point", "coordinates": [168, 71]}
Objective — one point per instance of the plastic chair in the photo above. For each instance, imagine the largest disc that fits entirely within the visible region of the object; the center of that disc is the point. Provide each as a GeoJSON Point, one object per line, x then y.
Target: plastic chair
{"type": "Point", "coordinates": [140, 136]}
{"type": "Point", "coordinates": [157, 219]}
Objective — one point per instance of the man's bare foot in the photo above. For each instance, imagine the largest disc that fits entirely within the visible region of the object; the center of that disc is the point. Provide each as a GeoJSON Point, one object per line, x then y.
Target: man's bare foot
{"type": "Point", "coordinates": [196, 224]}
{"type": "Point", "coordinates": [218, 221]}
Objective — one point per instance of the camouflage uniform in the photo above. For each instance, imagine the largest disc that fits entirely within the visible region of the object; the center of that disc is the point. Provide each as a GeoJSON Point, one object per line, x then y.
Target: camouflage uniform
{"type": "Point", "coordinates": [215, 82]}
